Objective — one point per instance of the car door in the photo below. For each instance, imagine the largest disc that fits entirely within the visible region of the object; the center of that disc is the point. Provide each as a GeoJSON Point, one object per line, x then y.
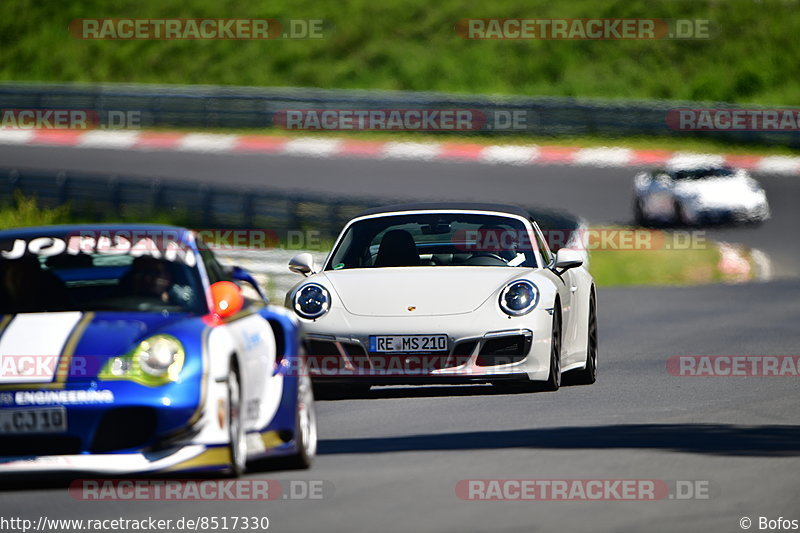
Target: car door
{"type": "Point", "coordinates": [567, 286]}
{"type": "Point", "coordinates": [255, 344]}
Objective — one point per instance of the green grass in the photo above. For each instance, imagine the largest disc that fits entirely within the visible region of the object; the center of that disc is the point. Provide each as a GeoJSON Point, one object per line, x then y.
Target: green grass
{"type": "Point", "coordinates": [26, 212]}
{"type": "Point", "coordinates": [655, 267]}
{"type": "Point", "coordinates": [656, 257]}
{"type": "Point", "coordinates": [412, 45]}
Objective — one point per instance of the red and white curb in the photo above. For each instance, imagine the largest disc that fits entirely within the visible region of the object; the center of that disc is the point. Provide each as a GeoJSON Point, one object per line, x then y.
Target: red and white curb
{"type": "Point", "coordinates": [349, 148]}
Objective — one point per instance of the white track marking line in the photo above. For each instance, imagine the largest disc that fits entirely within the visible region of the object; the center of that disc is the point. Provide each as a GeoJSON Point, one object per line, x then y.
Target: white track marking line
{"type": "Point", "coordinates": [510, 155]}
{"type": "Point", "coordinates": [16, 136]}
{"type": "Point", "coordinates": [690, 159]}
{"type": "Point", "coordinates": [603, 157]}
{"type": "Point", "coordinates": [409, 150]}
{"type": "Point", "coordinates": [207, 142]}
{"type": "Point", "coordinates": [313, 146]}
{"type": "Point", "coordinates": [779, 164]}
{"type": "Point", "coordinates": [108, 139]}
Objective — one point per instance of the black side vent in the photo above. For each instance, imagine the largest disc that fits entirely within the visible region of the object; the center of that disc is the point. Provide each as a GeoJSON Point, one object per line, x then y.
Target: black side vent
{"type": "Point", "coordinates": [504, 350]}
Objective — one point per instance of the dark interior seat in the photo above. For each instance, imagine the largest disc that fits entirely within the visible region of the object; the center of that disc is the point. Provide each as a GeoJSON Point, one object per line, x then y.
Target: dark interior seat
{"type": "Point", "coordinates": [397, 249]}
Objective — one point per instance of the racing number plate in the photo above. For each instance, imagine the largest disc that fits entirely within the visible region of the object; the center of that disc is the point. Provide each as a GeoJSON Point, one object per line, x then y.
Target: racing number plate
{"type": "Point", "coordinates": [407, 343]}
{"type": "Point", "coordinates": [22, 421]}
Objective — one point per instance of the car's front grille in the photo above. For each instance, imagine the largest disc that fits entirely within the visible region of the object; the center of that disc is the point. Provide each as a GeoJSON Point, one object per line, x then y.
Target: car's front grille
{"type": "Point", "coordinates": [353, 349]}
{"type": "Point", "coordinates": [123, 428]}
{"type": "Point", "coordinates": [323, 356]}
{"type": "Point", "coordinates": [504, 350]}
{"type": "Point", "coordinates": [464, 348]}
{"type": "Point", "coordinates": [316, 347]}
{"type": "Point", "coordinates": [462, 352]}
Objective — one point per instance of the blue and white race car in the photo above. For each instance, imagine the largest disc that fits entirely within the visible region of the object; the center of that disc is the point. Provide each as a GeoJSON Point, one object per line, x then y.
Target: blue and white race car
{"type": "Point", "coordinates": [132, 350]}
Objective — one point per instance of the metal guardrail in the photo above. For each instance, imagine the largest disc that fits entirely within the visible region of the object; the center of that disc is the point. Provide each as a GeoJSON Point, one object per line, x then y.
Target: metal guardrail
{"type": "Point", "coordinates": [98, 197]}
{"type": "Point", "coordinates": [253, 107]}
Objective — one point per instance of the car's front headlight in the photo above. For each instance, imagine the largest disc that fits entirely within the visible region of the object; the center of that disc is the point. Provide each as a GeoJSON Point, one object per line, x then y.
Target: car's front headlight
{"type": "Point", "coordinates": [312, 301]}
{"type": "Point", "coordinates": [157, 360]}
{"type": "Point", "coordinates": [519, 298]}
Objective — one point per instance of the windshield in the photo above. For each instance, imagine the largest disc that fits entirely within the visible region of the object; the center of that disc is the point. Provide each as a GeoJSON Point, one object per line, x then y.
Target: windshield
{"type": "Point", "coordinates": [702, 173]}
{"type": "Point", "coordinates": [440, 239]}
{"type": "Point", "coordinates": [33, 279]}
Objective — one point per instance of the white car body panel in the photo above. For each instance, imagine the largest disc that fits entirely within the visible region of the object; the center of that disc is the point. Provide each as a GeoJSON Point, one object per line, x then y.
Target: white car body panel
{"type": "Point", "coordinates": [365, 294]}
{"type": "Point", "coordinates": [252, 340]}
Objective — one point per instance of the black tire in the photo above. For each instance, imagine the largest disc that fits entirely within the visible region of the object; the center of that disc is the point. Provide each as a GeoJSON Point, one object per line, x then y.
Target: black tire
{"type": "Point", "coordinates": [639, 217]}
{"type": "Point", "coordinates": [553, 382]}
{"type": "Point", "coordinates": [305, 427]}
{"type": "Point", "coordinates": [587, 375]}
{"type": "Point", "coordinates": [679, 215]}
{"type": "Point", "coordinates": [237, 443]}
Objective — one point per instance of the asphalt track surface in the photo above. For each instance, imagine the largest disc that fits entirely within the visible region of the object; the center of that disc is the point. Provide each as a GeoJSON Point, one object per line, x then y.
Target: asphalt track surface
{"type": "Point", "coordinates": [394, 456]}
{"type": "Point", "coordinates": [601, 195]}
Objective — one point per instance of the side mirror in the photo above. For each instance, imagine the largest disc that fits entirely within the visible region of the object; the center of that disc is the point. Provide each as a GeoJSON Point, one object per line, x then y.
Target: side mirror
{"type": "Point", "coordinates": [227, 298]}
{"type": "Point", "coordinates": [302, 264]}
{"type": "Point", "coordinates": [566, 259]}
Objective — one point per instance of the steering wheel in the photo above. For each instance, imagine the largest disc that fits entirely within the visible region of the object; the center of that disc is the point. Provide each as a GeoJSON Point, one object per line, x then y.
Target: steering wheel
{"type": "Point", "coordinates": [488, 254]}
{"type": "Point", "coordinates": [491, 255]}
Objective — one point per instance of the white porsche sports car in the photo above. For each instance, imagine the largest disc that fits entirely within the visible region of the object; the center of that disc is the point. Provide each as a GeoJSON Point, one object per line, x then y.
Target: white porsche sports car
{"type": "Point", "coordinates": [442, 293]}
{"type": "Point", "coordinates": [698, 195]}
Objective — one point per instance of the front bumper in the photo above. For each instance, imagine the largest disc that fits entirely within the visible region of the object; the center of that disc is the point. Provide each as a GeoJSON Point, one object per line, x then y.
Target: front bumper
{"type": "Point", "coordinates": [718, 215]}
{"type": "Point", "coordinates": [107, 417]}
{"type": "Point", "coordinates": [193, 458]}
{"type": "Point", "coordinates": [516, 348]}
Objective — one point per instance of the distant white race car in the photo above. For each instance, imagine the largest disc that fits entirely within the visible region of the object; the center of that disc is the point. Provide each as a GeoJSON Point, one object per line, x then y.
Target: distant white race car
{"type": "Point", "coordinates": [424, 293]}
{"type": "Point", "coordinates": [700, 195]}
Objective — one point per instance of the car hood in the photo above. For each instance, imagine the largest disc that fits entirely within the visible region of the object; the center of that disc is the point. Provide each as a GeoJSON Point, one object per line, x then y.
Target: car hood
{"type": "Point", "coordinates": [434, 290]}
{"type": "Point", "coordinates": [91, 338]}
{"type": "Point", "coordinates": [724, 191]}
